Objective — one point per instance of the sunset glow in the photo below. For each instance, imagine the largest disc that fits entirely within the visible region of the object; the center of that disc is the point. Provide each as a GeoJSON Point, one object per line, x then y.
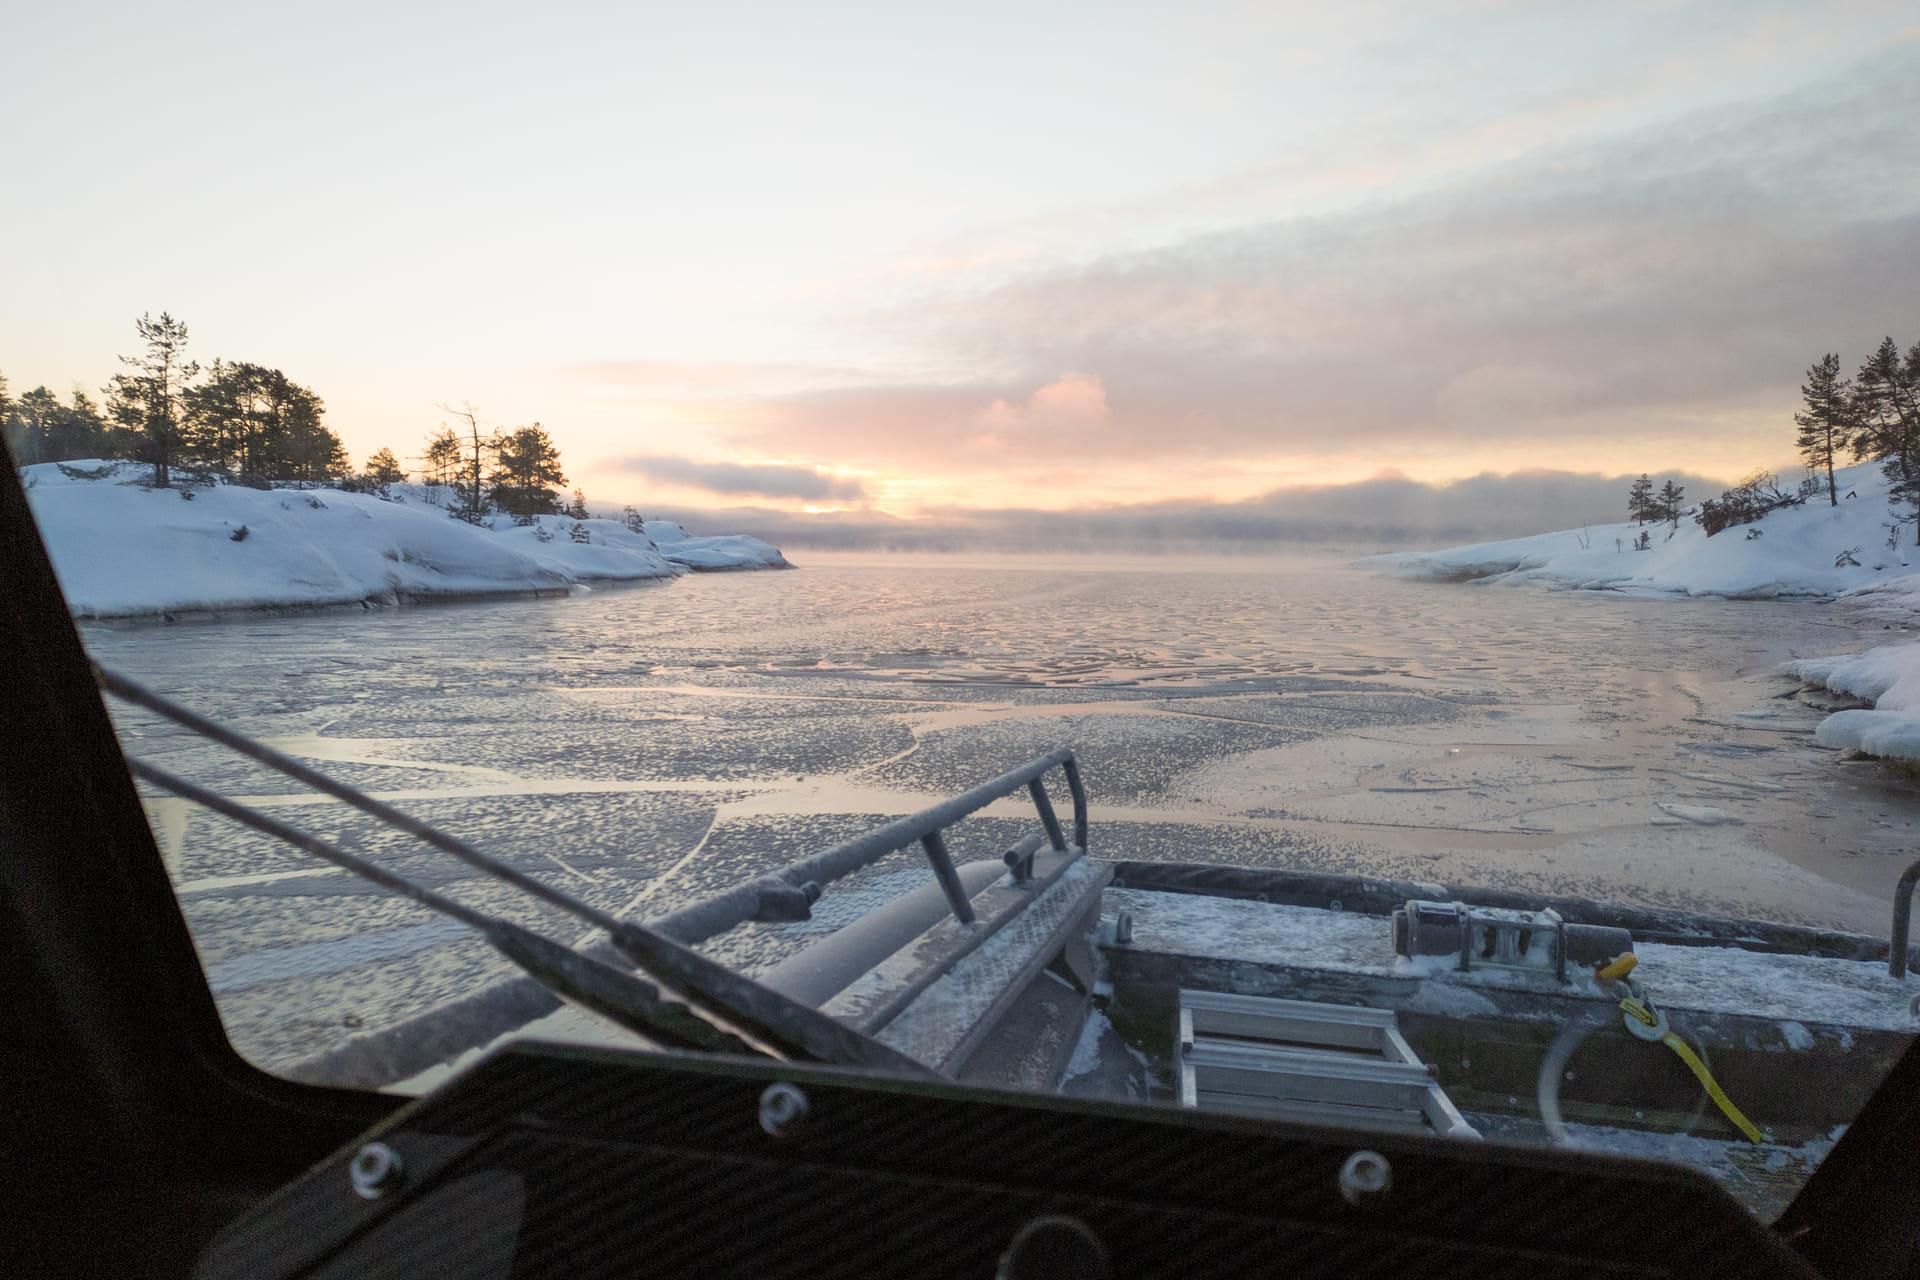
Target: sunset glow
{"type": "Point", "coordinates": [976, 261]}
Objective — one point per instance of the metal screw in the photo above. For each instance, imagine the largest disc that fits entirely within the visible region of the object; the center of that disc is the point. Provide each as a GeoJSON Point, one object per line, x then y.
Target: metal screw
{"type": "Point", "coordinates": [782, 1108]}
{"type": "Point", "coordinates": [1365, 1177]}
{"type": "Point", "coordinates": [376, 1170]}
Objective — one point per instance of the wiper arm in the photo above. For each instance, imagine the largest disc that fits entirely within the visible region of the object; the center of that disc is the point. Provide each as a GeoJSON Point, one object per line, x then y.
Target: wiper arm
{"type": "Point", "coordinates": [759, 1013]}
{"type": "Point", "coordinates": [621, 998]}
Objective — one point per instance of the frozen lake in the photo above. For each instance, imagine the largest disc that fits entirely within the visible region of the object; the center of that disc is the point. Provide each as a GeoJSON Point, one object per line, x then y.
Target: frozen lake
{"type": "Point", "coordinates": [646, 745]}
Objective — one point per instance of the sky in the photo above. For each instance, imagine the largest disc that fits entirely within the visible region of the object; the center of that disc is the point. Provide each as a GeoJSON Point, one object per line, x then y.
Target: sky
{"type": "Point", "coordinates": [885, 266]}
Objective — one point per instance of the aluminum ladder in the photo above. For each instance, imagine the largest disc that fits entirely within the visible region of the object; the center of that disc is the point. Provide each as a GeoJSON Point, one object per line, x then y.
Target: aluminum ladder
{"type": "Point", "coordinates": [1311, 1063]}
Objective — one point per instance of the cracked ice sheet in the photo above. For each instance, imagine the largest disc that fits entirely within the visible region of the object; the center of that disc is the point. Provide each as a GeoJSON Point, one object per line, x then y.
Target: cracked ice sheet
{"type": "Point", "coordinates": [1553, 798]}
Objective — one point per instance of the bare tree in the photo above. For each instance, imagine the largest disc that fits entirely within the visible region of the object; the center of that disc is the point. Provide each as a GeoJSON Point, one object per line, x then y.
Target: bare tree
{"type": "Point", "coordinates": [476, 452]}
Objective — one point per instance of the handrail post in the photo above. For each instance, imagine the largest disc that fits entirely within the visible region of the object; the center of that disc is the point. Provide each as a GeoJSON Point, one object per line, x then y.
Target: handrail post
{"type": "Point", "coordinates": [1079, 791]}
{"type": "Point", "coordinates": [1902, 921]}
{"type": "Point", "coordinates": [1048, 818]}
{"type": "Point", "coordinates": [949, 878]}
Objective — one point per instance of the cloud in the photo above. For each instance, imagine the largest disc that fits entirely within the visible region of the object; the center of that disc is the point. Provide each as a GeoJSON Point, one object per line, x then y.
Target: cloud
{"type": "Point", "coordinates": [718, 377]}
{"type": "Point", "coordinates": [1073, 401]}
{"type": "Point", "coordinates": [1615, 293]}
{"type": "Point", "coordinates": [762, 480]}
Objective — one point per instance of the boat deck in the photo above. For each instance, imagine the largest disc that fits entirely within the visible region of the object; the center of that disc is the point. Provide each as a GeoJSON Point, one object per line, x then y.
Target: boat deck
{"type": "Point", "coordinates": [1811, 997]}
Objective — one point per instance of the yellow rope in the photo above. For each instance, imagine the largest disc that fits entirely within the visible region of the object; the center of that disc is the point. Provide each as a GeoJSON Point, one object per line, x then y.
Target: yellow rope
{"type": "Point", "coordinates": [1712, 1086]}
{"type": "Point", "coordinates": [1649, 1018]}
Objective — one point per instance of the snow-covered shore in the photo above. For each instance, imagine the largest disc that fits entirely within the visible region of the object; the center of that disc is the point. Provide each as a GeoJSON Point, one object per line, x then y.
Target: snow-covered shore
{"type": "Point", "coordinates": [1797, 551]}
{"type": "Point", "coordinates": [123, 550]}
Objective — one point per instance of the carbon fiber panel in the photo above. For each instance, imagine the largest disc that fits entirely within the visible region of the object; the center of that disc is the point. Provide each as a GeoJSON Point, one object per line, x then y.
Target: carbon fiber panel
{"type": "Point", "coordinates": [628, 1165]}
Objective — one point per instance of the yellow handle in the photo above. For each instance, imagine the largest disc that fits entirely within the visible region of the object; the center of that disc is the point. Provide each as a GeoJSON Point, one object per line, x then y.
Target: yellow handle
{"type": "Point", "coordinates": [1712, 1086]}
{"type": "Point", "coordinates": [1619, 967]}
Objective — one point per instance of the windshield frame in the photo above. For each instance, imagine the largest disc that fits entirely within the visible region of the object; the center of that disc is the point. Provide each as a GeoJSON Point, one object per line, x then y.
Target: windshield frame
{"type": "Point", "coordinates": [119, 996]}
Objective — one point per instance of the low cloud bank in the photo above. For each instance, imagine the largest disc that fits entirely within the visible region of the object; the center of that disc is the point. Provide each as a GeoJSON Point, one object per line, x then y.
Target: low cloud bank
{"type": "Point", "coordinates": [1383, 514]}
{"type": "Point", "coordinates": [761, 481]}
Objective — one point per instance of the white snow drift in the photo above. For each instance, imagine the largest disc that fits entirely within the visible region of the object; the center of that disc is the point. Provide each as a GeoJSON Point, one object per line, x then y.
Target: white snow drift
{"type": "Point", "coordinates": [1888, 680]}
{"type": "Point", "coordinates": [1796, 551]}
{"type": "Point", "coordinates": [122, 549]}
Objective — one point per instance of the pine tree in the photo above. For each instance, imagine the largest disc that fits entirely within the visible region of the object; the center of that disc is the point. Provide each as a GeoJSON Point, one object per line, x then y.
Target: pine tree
{"type": "Point", "coordinates": [1640, 500]}
{"type": "Point", "coordinates": [1885, 418]}
{"type": "Point", "coordinates": [441, 458]}
{"type": "Point", "coordinates": [1671, 496]}
{"type": "Point", "coordinates": [383, 469]}
{"type": "Point", "coordinates": [527, 473]}
{"type": "Point", "coordinates": [148, 400]}
{"type": "Point", "coordinates": [1826, 422]}
{"type": "Point", "coordinates": [36, 415]}
{"type": "Point", "coordinates": [295, 442]}
{"type": "Point", "coordinates": [578, 508]}
{"type": "Point", "coordinates": [7, 424]}
{"type": "Point", "coordinates": [634, 523]}
{"type": "Point", "coordinates": [229, 422]}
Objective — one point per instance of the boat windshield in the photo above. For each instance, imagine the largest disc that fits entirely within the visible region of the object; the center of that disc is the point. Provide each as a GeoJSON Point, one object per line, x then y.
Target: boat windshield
{"type": "Point", "coordinates": [1454, 605]}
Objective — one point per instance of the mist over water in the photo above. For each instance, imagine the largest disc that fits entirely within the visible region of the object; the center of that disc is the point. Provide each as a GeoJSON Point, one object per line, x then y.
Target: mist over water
{"type": "Point", "coordinates": [644, 746]}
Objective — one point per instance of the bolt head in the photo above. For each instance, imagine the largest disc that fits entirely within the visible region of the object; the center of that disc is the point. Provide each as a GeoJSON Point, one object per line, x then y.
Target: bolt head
{"type": "Point", "coordinates": [783, 1108]}
{"type": "Point", "coordinates": [375, 1171]}
{"type": "Point", "coordinates": [1365, 1177]}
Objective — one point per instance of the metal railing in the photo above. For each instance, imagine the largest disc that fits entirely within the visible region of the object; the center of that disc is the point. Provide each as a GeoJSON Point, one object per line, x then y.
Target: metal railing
{"type": "Point", "coordinates": [788, 894]}
{"type": "Point", "coordinates": [680, 994]}
{"type": "Point", "coordinates": [1902, 921]}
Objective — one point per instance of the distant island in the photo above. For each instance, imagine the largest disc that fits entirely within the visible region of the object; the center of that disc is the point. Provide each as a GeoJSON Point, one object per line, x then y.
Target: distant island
{"type": "Point", "coordinates": [205, 545]}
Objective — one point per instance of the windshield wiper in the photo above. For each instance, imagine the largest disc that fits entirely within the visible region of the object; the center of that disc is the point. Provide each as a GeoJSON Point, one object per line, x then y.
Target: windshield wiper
{"type": "Point", "coordinates": [748, 1013]}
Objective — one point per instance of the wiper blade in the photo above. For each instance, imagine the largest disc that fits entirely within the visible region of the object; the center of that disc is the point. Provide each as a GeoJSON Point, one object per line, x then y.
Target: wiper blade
{"type": "Point", "coordinates": [621, 998]}
{"type": "Point", "coordinates": [792, 1029]}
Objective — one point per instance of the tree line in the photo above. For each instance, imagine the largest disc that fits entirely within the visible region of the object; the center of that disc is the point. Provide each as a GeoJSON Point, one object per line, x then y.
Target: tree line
{"type": "Point", "coordinates": [515, 470]}
{"type": "Point", "coordinates": [251, 424]}
{"type": "Point", "coordinates": [246, 421]}
{"type": "Point", "coordinates": [1872, 416]}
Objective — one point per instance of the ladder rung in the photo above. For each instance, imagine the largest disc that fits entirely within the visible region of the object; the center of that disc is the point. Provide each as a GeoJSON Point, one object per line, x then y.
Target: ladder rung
{"type": "Point", "coordinates": [1255, 1017]}
{"type": "Point", "coordinates": [1319, 1113]}
{"type": "Point", "coordinates": [1306, 1085]}
{"type": "Point", "coordinates": [1293, 1059]}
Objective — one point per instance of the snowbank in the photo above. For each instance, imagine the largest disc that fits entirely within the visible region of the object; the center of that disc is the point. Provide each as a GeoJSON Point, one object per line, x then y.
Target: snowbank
{"type": "Point", "coordinates": [671, 541]}
{"type": "Point", "coordinates": [123, 550]}
{"type": "Point", "coordinates": [1888, 678]}
{"type": "Point", "coordinates": [1788, 553]}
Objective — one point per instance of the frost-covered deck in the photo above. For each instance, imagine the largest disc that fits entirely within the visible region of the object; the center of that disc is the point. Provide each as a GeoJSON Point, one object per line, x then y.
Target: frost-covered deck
{"type": "Point", "coordinates": [1807, 995]}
